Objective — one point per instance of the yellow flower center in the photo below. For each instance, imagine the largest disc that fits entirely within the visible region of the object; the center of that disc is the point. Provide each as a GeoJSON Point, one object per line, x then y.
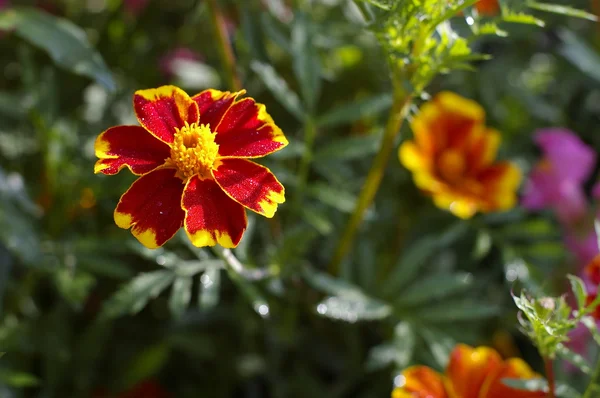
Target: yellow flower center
{"type": "Point", "coordinates": [452, 165]}
{"type": "Point", "coordinates": [194, 151]}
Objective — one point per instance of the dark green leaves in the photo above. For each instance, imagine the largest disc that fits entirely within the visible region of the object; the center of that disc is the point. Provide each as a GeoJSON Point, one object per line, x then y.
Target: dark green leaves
{"type": "Point", "coordinates": [65, 42]}
{"type": "Point", "coordinates": [134, 296]}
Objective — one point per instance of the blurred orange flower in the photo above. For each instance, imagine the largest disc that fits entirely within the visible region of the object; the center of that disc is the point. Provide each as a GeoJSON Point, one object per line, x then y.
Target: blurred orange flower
{"type": "Point", "coordinates": [471, 373]}
{"type": "Point", "coordinates": [452, 158]}
{"type": "Point", "coordinates": [488, 7]}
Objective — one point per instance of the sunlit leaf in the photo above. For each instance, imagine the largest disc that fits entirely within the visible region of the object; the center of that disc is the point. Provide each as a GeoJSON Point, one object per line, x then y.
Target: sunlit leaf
{"type": "Point", "coordinates": [210, 282]}
{"type": "Point", "coordinates": [578, 289]}
{"type": "Point", "coordinates": [561, 9]}
{"type": "Point", "coordinates": [574, 359]}
{"type": "Point", "coordinates": [180, 295]}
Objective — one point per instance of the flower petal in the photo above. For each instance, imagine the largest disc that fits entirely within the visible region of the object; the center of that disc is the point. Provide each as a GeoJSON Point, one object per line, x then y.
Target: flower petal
{"type": "Point", "coordinates": [151, 207]}
{"type": "Point", "coordinates": [248, 131]}
{"type": "Point", "coordinates": [420, 382]}
{"type": "Point", "coordinates": [129, 146]}
{"type": "Point", "coordinates": [213, 104]}
{"type": "Point", "coordinates": [211, 216]}
{"type": "Point", "coordinates": [250, 184]}
{"type": "Point", "coordinates": [164, 109]}
{"type": "Point", "coordinates": [469, 368]}
{"type": "Point", "coordinates": [513, 368]}
{"type": "Point", "coordinates": [572, 159]}
{"type": "Point", "coordinates": [501, 181]}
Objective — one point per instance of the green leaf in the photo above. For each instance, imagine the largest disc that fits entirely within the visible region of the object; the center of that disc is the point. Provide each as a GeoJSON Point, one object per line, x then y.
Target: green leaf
{"type": "Point", "coordinates": [413, 259]}
{"type": "Point", "coordinates": [440, 345]}
{"type": "Point", "coordinates": [580, 54]}
{"type": "Point", "coordinates": [180, 295]}
{"type": "Point", "coordinates": [341, 200]}
{"type": "Point", "coordinates": [434, 287]}
{"type": "Point", "coordinates": [457, 310]}
{"type": "Point", "coordinates": [590, 323]}
{"type": "Point", "coordinates": [65, 42]}
{"type": "Point", "coordinates": [578, 289]}
{"type": "Point", "coordinates": [483, 245]}
{"type": "Point", "coordinates": [574, 358]}
{"type": "Point", "coordinates": [317, 218]}
{"type": "Point", "coordinates": [134, 296]}
{"type": "Point", "coordinates": [145, 364]}
{"type": "Point", "coordinates": [527, 384]}
{"type": "Point", "coordinates": [306, 63]}
{"type": "Point", "coordinates": [353, 308]}
{"type": "Point", "coordinates": [562, 10]}
{"type": "Point", "coordinates": [521, 18]}
{"type": "Point", "coordinates": [279, 88]}
{"type": "Point", "coordinates": [210, 281]}
{"type": "Point", "coordinates": [398, 352]}
{"type": "Point", "coordinates": [347, 302]}
{"type": "Point", "coordinates": [356, 110]}
{"type": "Point", "coordinates": [251, 292]}
{"type": "Point", "coordinates": [349, 148]}
{"type": "Point", "coordinates": [18, 379]}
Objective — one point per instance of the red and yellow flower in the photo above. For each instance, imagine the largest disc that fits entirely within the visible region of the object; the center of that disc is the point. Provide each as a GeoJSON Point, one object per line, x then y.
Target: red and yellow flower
{"type": "Point", "coordinates": [471, 373]}
{"type": "Point", "coordinates": [452, 158]}
{"type": "Point", "coordinates": [193, 158]}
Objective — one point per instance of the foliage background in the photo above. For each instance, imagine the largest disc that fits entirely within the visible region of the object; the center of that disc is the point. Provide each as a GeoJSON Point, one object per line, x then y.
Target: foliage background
{"type": "Point", "coordinates": [74, 320]}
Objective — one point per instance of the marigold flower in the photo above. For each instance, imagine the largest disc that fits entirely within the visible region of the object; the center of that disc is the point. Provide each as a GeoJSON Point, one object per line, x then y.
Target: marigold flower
{"type": "Point", "coordinates": [471, 373]}
{"type": "Point", "coordinates": [192, 156]}
{"type": "Point", "coordinates": [452, 158]}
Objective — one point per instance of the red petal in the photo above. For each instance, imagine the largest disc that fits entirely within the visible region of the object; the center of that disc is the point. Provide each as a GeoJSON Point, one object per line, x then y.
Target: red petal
{"type": "Point", "coordinates": [211, 216]}
{"type": "Point", "coordinates": [129, 146]}
{"type": "Point", "coordinates": [152, 207]}
{"type": "Point", "coordinates": [250, 184]}
{"type": "Point", "coordinates": [244, 128]}
{"type": "Point", "coordinates": [213, 104]}
{"type": "Point", "coordinates": [164, 109]}
{"type": "Point", "coordinates": [248, 131]}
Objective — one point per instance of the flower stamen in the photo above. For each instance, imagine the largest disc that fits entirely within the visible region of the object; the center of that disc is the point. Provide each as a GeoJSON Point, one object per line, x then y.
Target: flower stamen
{"type": "Point", "coordinates": [194, 151]}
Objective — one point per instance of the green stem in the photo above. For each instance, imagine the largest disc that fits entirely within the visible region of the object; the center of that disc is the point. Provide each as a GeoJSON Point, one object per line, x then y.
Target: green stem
{"type": "Point", "coordinates": [398, 112]}
{"type": "Point", "coordinates": [548, 364]}
{"type": "Point", "coordinates": [310, 133]}
{"type": "Point", "coordinates": [593, 388]}
{"type": "Point", "coordinates": [224, 46]}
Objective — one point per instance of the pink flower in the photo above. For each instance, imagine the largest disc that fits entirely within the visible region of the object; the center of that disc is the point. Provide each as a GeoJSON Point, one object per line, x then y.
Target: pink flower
{"type": "Point", "coordinates": [3, 4]}
{"type": "Point", "coordinates": [556, 182]}
{"type": "Point", "coordinates": [168, 62]}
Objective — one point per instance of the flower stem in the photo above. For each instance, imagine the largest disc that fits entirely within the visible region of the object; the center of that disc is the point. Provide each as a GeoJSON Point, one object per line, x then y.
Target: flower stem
{"type": "Point", "coordinates": [593, 388]}
{"type": "Point", "coordinates": [398, 112]}
{"type": "Point", "coordinates": [548, 364]}
{"type": "Point", "coordinates": [224, 46]}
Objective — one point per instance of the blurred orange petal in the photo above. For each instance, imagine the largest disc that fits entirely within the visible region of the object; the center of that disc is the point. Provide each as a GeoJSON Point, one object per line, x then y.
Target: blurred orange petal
{"type": "Point", "coordinates": [513, 368]}
{"type": "Point", "coordinates": [420, 382]}
{"type": "Point", "coordinates": [468, 369]}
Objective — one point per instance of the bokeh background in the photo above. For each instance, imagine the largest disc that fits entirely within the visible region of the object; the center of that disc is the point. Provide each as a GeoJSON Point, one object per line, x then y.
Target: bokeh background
{"type": "Point", "coordinates": [86, 311]}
